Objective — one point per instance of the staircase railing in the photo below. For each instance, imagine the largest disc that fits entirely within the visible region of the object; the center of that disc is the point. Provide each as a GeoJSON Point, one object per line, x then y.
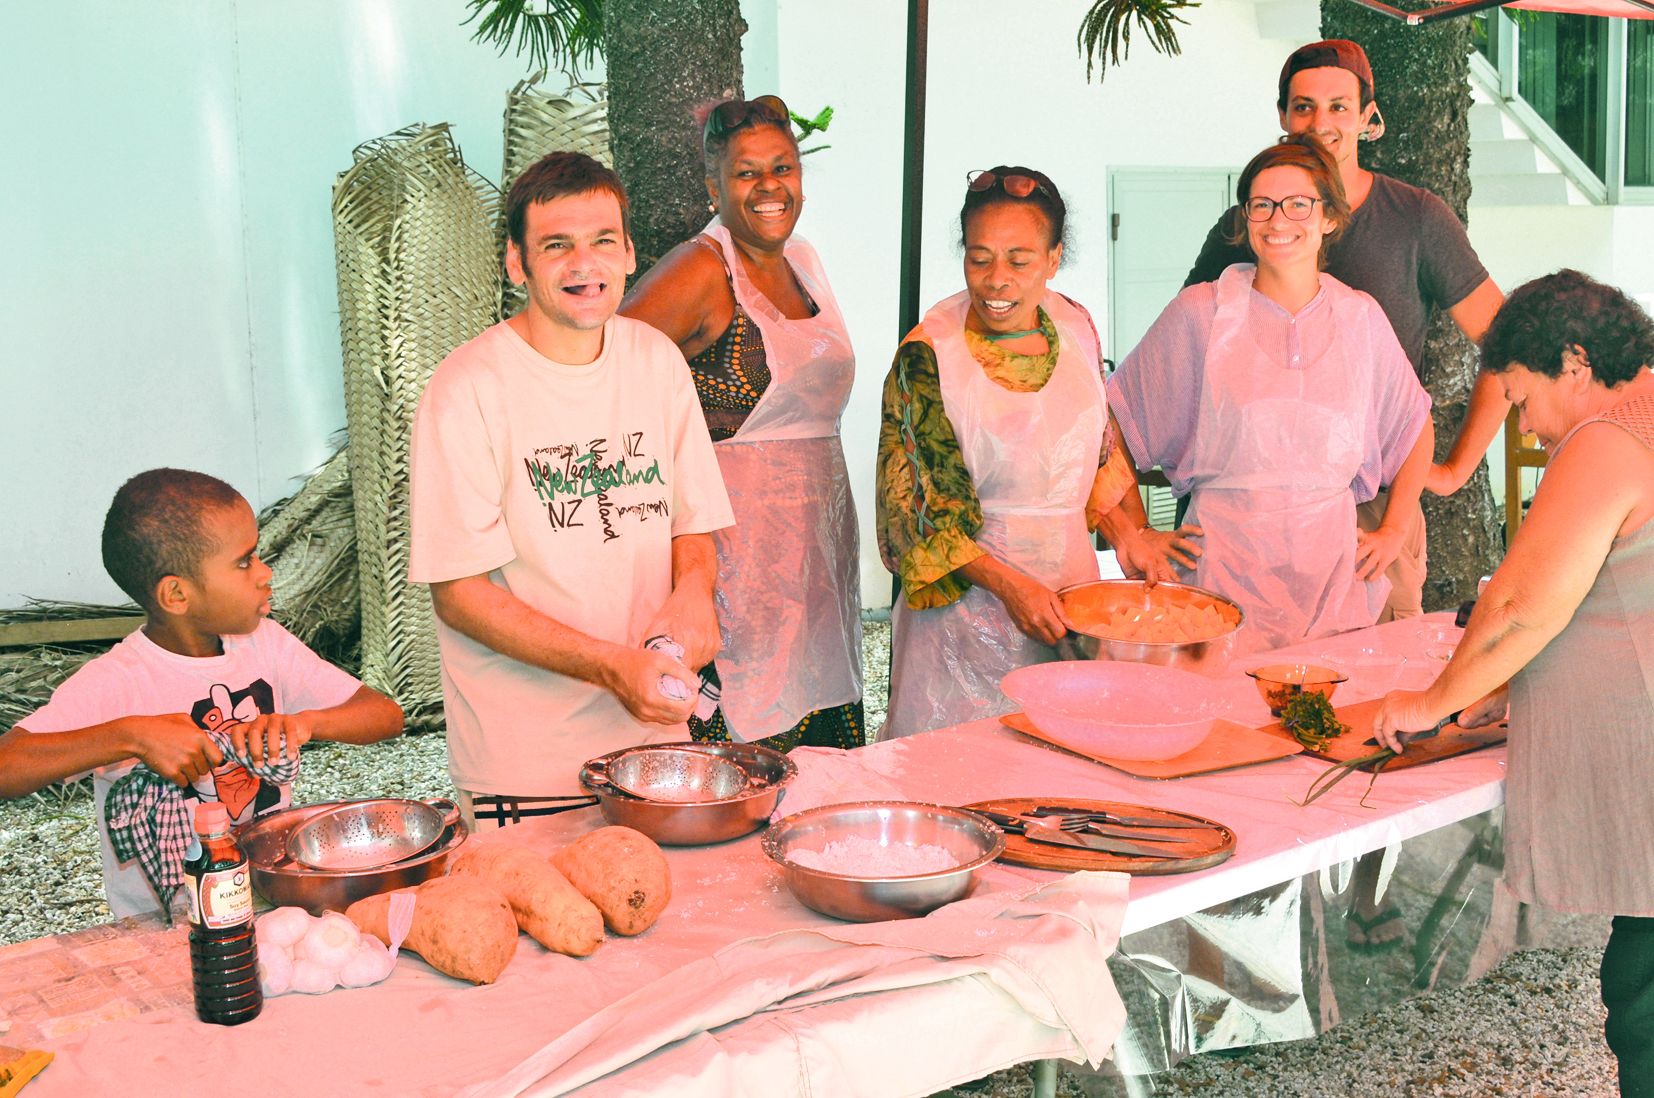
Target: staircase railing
{"type": "Point", "coordinates": [1582, 89]}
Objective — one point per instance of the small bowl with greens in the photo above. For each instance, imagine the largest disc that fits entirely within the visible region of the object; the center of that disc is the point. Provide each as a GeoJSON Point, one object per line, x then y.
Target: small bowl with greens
{"type": "Point", "coordinates": [1279, 683]}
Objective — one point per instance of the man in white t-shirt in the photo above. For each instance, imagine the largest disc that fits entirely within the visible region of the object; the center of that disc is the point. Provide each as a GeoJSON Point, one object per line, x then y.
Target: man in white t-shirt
{"type": "Point", "coordinates": [564, 491]}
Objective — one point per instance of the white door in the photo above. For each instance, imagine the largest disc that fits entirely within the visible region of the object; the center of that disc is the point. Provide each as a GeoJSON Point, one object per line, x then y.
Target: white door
{"type": "Point", "coordinates": [1158, 220]}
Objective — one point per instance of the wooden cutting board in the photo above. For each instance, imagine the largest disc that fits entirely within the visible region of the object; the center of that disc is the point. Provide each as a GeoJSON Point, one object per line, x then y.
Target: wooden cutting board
{"type": "Point", "coordinates": [1211, 845]}
{"type": "Point", "coordinates": [1230, 745]}
{"type": "Point", "coordinates": [1451, 740]}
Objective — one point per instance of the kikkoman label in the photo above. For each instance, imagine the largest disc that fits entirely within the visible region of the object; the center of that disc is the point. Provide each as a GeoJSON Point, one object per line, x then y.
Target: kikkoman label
{"type": "Point", "coordinates": [221, 899]}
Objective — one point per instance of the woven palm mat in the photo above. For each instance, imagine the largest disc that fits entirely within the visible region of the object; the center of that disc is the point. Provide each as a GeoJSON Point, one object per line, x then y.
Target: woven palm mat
{"type": "Point", "coordinates": [418, 276]}
{"type": "Point", "coordinates": [540, 121]}
{"type": "Point", "coordinates": [309, 542]}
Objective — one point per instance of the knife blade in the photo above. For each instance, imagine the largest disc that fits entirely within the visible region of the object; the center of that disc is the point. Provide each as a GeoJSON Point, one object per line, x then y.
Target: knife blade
{"type": "Point", "coordinates": [1137, 833]}
{"type": "Point", "coordinates": [1056, 836]}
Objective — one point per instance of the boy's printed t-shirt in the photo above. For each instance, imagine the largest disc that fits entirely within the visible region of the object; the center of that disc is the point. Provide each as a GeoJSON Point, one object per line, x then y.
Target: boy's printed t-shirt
{"type": "Point", "coordinates": [564, 485]}
{"type": "Point", "coordinates": [266, 671]}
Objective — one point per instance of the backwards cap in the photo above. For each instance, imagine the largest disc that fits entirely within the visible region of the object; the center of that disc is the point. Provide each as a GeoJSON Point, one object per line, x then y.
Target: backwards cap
{"type": "Point", "coordinates": [1336, 53]}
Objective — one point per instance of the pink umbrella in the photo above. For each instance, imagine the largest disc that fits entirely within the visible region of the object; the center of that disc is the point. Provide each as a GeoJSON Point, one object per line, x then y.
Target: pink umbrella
{"type": "Point", "coordinates": [1624, 9]}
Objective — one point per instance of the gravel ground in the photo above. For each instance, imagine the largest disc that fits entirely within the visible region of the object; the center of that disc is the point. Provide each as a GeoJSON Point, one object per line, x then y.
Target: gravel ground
{"type": "Point", "coordinates": [1531, 1027]}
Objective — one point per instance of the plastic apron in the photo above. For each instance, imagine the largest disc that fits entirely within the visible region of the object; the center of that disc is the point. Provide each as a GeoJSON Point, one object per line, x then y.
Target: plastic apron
{"type": "Point", "coordinates": [1273, 458]}
{"type": "Point", "coordinates": [1032, 458]}
{"type": "Point", "coordinates": [788, 597]}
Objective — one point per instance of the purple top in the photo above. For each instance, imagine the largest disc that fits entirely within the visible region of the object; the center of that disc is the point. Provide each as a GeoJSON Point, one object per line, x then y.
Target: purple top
{"type": "Point", "coordinates": [1155, 394]}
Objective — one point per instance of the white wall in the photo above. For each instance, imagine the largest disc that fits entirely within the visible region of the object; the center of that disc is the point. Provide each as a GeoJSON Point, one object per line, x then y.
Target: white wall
{"type": "Point", "coordinates": [167, 290]}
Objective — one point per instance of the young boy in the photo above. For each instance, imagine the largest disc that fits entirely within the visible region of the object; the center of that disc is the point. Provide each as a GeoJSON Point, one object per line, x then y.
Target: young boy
{"type": "Point", "coordinates": [206, 670]}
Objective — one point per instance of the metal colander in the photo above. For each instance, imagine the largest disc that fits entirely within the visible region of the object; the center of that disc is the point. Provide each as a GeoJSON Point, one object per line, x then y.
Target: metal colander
{"type": "Point", "coordinates": [675, 775]}
{"type": "Point", "coordinates": [372, 833]}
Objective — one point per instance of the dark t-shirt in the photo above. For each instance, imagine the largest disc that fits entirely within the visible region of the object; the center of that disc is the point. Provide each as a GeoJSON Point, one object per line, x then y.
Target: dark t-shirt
{"type": "Point", "coordinates": [1403, 246]}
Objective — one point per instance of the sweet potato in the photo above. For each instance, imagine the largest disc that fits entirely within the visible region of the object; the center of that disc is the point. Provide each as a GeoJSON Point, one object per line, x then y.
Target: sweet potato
{"type": "Point", "coordinates": [461, 926]}
{"type": "Point", "coordinates": [547, 907]}
{"type": "Point", "coordinates": [623, 872]}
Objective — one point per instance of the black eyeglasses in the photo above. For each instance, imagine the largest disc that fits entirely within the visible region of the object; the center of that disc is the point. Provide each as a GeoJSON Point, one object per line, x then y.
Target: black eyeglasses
{"type": "Point", "coordinates": [736, 113]}
{"type": "Point", "coordinates": [1297, 207]}
{"type": "Point", "coordinates": [1017, 186]}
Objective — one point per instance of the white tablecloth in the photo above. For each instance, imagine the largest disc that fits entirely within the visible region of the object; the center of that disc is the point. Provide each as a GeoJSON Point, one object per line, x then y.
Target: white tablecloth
{"type": "Point", "coordinates": [741, 990]}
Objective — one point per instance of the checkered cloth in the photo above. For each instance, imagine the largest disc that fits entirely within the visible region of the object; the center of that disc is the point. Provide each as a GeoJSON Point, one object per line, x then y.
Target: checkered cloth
{"type": "Point", "coordinates": [147, 819]}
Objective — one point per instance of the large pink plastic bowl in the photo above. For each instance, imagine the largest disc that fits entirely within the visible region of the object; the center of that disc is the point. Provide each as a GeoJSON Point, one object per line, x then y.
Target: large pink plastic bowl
{"type": "Point", "coordinates": [1136, 712]}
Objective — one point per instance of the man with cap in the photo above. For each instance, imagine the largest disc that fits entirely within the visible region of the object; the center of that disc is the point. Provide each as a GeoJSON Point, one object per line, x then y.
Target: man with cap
{"type": "Point", "coordinates": [1404, 246]}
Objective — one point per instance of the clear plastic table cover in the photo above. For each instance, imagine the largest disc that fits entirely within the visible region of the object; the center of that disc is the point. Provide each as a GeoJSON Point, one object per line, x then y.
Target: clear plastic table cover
{"type": "Point", "coordinates": [1278, 964]}
{"type": "Point", "coordinates": [1259, 949]}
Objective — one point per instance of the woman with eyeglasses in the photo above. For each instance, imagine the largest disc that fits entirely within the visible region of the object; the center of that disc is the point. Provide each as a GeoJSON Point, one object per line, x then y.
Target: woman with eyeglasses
{"type": "Point", "coordinates": [994, 463]}
{"type": "Point", "coordinates": [747, 302]}
{"type": "Point", "coordinates": [1279, 398]}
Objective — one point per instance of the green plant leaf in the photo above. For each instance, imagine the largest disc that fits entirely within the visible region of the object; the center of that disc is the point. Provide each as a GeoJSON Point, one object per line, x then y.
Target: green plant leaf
{"type": "Point", "coordinates": [1105, 31]}
{"type": "Point", "coordinates": [807, 126]}
{"type": "Point", "coordinates": [567, 32]}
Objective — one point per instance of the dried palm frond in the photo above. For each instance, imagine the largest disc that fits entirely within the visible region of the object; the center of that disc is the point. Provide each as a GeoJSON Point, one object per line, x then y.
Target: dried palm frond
{"type": "Point", "coordinates": [540, 119]}
{"type": "Point", "coordinates": [1105, 32]}
{"type": "Point", "coordinates": [60, 610]}
{"type": "Point", "coordinates": [309, 540]}
{"type": "Point", "coordinates": [29, 675]}
{"type": "Point", "coordinates": [418, 276]}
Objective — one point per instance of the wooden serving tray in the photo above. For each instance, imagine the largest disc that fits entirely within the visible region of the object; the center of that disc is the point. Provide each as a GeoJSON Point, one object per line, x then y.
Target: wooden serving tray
{"type": "Point", "coordinates": [1450, 741]}
{"type": "Point", "coordinates": [1212, 845]}
{"type": "Point", "coordinates": [1230, 745]}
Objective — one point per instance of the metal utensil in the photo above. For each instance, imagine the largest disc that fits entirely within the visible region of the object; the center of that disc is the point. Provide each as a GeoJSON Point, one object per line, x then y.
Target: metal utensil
{"type": "Point", "coordinates": [768, 772]}
{"type": "Point", "coordinates": [371, 834]}
{"type": "Point", "coordinates": [962, 832]}
{"type": "Point", "coordinates": [285, 883]}
{"type": "Point", "coordinates": [1015, 823]}
{"type": "Point", "coordinates": [1051, 833]}
{"type": "Point", "coordinates": [1079, 824]}
{"type": "Point", "coordinates": [676, 776]}
{"type": "Point", "coordinates": [1158, 822]}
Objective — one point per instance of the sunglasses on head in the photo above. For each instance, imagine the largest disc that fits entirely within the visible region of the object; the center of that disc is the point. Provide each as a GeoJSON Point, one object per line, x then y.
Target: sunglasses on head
{"type": "Point", "coordinates": [735, 113]}
{"type": "Point", "coordinates": [1017, 186]}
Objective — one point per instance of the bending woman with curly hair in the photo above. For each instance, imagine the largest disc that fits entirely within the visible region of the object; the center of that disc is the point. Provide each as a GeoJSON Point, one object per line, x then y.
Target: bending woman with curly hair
{"type": "Point", "coordinates": [1565, 634]}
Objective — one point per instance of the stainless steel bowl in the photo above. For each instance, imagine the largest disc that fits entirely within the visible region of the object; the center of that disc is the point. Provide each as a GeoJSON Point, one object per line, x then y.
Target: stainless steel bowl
{"type": "Point", "coordinates": [1096, 600]}
{"type": "Point", "coordinates": [768, 772]}
{"type": "Point", "coordinates": [372, 833]}
{"type": "Point", "coordinates": [972, 838]}
{"type": "Point", "coordinates": [286, 883]}
{"type": "Point", "coordinates": [675, 775]}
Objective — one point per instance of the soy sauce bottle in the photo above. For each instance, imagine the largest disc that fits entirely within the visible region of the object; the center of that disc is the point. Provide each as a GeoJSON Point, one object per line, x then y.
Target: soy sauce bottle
{"type": "Point", "coordinates": [223, 951]}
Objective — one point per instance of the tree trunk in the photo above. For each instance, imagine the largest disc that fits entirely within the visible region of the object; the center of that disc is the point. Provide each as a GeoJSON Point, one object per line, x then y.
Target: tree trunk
{"type": "Point", "coordinates": [1421, 77]}
{"type": "Point", "coordinates": [663, 61]}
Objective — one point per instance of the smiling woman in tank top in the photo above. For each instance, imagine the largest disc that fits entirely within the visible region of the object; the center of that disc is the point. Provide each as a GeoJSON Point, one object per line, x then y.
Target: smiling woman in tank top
{"type": "Point", "coordinates": [748, 304]}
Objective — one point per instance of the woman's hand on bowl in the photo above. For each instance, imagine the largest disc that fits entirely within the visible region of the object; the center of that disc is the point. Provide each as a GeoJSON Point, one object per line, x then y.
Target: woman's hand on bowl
{"type": "Point", "coordinates": [1035, 609]}
{"type": "Point", "coordinates": [1152, 553]}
